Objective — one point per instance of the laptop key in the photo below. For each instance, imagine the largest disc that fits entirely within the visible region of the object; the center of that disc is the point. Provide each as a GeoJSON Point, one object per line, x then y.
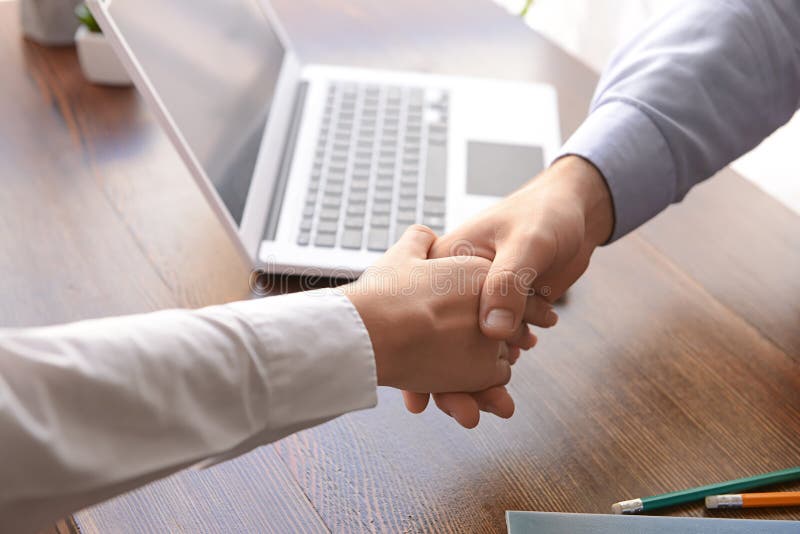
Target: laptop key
{"type": "Point", "coordinates": [348, 89]}
{"type": "Point", "coordinates": [378, 239]}
{"type": "Point", "coordinates": [407, 191]}
{"type": "Point", "coordinates": [436, 172]}
{"type": "Point", "coordinates": [327, 227]}
{"type": "Point", "coordinates": [382, 195]}
{"type": "Point", "coordinates": [433, 207]}
{"type": "Point", "coordinates": [408, 203]}
{"type": "Point", "coordinates": [433, 222]}
{"type": "Point", "coordinates": [354, 222]}
{"type": "Point", "coordinates": [305, 225]}
{"type": "Point", "coordinates": [334, 188]}
{"type": "Point", "coordinates": [406, 216]}
{"type": "Point", "coordinates": [351, 239]}
{"type": "Point", "coordinates": [329, 215]}
{"type": "Point", "coordinates": [382, 207]}
{"type": "Point", "coordinates": [356, 209]}
{"type": "Point", "coordinates": [325, 240]}
{"type": "Point", "coordinates": [303, 239]}
{"type": "Point", "coordinates": [437, 137]}
{"type": "Point", "coordinates": [358, 197]}
{"type": "Point", "coordinates": [379, 221]}
{"type": "Point", "coordinates": [330, 201]}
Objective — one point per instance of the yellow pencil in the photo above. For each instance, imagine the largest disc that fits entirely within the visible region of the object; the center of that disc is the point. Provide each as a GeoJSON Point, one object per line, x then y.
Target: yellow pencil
{"type": "Point", "coordinates": [754, 500]}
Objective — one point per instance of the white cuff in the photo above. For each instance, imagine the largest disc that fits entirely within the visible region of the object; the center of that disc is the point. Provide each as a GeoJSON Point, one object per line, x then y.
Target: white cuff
{"type": "Point", "coordinates": [320, 360]}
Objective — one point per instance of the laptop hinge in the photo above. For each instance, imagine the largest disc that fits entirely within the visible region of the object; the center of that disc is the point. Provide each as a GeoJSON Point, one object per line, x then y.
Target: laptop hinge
{"type": "Point", "coordinates": [285, 169]}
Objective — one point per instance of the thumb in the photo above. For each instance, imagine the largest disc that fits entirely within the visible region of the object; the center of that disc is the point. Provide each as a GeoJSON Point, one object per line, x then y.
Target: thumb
{"type": "Point", "coordinates": [415, 243]}
{"type": "Point", "coordinates": [505, 292]}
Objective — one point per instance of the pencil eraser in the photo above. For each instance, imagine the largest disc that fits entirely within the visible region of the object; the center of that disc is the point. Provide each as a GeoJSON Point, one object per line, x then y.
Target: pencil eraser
{"type": "Point", "coordinates": [723, 501]}
{"type": "Point", "coordinates": [633, 506]}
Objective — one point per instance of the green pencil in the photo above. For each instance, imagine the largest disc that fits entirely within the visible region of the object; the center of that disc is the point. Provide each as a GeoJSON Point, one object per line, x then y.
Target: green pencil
{"type": "Point", "coordinates": [646, 504]}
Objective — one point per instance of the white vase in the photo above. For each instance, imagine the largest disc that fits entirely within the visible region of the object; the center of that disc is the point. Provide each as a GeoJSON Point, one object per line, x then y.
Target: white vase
{"type": "Point", "coordinates": [99, 62]}
{"type": "Point", "coordinates": [49, 22]}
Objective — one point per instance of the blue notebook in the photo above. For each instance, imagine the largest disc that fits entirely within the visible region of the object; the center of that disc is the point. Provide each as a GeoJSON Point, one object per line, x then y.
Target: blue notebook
{"type": "Point", "coordinates": [552, 523]}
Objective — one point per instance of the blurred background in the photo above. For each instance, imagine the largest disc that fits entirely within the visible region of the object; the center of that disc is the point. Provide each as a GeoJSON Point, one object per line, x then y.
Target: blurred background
{"type": "Point", "coordinates": [591, 30]}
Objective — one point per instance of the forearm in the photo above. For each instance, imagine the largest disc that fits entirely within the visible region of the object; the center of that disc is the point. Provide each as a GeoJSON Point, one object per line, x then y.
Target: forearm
{"type": "Point", "coordinates": [693, 92]}
{"type": "Point", "coordinates": [93, 409]}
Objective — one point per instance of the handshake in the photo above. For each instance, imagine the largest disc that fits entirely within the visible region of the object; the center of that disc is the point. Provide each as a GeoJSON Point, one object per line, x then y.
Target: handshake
{"type": "Point", "coordinates": [449, 316]}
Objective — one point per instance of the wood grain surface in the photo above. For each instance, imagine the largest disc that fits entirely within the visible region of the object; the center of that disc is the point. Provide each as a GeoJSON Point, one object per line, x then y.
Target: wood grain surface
{"type": "Point", "coordinates": [676, 361]}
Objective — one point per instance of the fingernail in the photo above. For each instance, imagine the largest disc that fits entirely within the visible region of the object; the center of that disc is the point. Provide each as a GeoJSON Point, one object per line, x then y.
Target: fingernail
{"type": "Point", "coordinates": [499, 318]}
{"type": "Point", "coordinates": [551, 319]}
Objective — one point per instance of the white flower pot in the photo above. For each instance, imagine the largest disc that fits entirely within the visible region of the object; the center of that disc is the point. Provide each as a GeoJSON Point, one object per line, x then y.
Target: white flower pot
{"type": "Point", "coordinates": [49, 22]}
{"type": "Point", "coordinates": [99, 62]}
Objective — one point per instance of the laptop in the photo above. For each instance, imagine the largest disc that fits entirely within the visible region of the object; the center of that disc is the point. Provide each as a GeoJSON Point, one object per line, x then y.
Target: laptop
{"type": "Point", "coordinates": [322, 167]}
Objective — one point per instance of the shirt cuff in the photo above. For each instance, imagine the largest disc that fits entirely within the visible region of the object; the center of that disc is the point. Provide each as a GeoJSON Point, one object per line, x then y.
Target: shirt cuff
{"type": "Point", "coordinates": [319, 360]}
{"type": "Point", "coordinates": [633, 157]}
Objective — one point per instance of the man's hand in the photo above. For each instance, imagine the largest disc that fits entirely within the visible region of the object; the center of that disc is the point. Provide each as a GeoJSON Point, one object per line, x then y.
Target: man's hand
{"type": "Point", "coordinates": [422, 319]}
{"type": "Point", "coordinates": [540, 241]}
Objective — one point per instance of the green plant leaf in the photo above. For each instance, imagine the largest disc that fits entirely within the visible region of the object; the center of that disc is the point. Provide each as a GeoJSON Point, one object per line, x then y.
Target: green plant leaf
{"type": "Point", "coordinates": [526, 8]}
{"type": "Point", "coordinates": [87, 19]}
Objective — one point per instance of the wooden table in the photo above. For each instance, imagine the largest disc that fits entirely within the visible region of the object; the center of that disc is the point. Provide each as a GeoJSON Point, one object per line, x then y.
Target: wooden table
{"type": "Point", "coordinates": [676, 362]}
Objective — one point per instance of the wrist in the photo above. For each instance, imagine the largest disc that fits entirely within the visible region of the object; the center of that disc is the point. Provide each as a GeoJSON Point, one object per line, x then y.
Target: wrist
{"type": "Point", "coordinates": [384, 368]}
{"type": "Point", "coordinates": [583, 183]}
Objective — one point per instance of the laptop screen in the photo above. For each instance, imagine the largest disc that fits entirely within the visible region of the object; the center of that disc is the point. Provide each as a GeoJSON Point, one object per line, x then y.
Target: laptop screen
{"type": "Point", "coordinates": [214, 64]}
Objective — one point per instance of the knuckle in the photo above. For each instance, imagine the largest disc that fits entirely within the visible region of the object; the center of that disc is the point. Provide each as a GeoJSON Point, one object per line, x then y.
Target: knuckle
{"type": "Point", "coordinates": [477, 266]}
{"type": "Point", "coordinates": [421, 228]}
{"type": "Point", "coordinates": [536, 237]}
{"type": "Point", "coordinates": [507, 282]}
{"type": "Point", "coordinates": [462, 247]}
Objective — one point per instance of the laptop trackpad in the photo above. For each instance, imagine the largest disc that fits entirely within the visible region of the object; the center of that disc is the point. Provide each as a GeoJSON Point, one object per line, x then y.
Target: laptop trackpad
{"type": "Point", "coordinates": [497, 170]}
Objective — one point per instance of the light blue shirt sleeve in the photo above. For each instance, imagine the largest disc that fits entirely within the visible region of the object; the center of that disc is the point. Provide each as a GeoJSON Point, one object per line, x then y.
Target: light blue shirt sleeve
{"type": "Point", "coordinates": [691, 93]}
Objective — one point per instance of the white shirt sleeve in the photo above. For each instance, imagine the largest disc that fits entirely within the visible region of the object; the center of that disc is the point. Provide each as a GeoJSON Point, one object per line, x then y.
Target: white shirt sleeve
{"type": "Point", "coordinates": [92, 409]}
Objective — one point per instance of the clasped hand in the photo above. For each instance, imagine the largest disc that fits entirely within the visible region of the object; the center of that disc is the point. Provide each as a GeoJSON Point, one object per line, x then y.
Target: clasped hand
{"type": "Point", "coordinates": [449, 316]}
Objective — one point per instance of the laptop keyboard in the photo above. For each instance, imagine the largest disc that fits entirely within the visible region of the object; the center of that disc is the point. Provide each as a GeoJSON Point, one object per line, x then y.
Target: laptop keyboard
{"type": "Point", "coordinates": [380, 165]}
